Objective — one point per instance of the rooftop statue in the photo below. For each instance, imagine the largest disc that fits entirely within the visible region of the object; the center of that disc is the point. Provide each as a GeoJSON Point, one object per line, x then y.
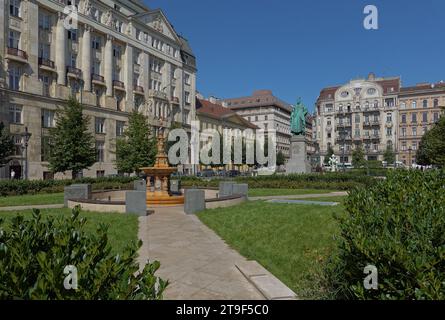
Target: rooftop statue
{"type": "Point", "coordinates": [298, 118]}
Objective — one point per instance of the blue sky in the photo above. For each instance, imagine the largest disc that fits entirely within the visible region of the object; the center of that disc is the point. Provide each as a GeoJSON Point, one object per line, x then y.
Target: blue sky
{"type": "Point", "coordinates": [295, 48]}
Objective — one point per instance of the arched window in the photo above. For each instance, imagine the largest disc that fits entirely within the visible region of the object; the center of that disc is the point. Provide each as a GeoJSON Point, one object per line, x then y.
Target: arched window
{"type": "Point", "coordinates": [436, 103]}
{"type": "Point", "coordinates": [425, 103]}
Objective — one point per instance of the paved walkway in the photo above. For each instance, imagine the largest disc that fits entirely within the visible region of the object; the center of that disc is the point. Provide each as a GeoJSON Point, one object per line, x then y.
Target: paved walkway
{"type": "Point", "coordinates": [43, 206]}
{"type": "Point", "coordinates": [302, 196]}
{"type": "Point", "coordinates": [198, 264]}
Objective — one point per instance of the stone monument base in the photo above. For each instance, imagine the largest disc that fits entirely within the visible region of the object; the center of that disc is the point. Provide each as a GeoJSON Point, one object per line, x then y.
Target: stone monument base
{"type": "Point", "coordinates": [298, 162]}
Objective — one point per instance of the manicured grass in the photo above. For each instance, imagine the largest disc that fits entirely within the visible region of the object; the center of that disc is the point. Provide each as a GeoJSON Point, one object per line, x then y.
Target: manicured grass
{"type": "Point", "coordinates": [122, 228]}
{"type": "Point", "coordinates": [289, 240]}
{"type": "Point", "coordinates": [31, 199]}
{"type": "Point", "coordinates": [285, 192]}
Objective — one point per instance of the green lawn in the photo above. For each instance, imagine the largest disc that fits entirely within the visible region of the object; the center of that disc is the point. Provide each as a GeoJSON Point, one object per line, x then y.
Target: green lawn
{"type": "Point", "coordinates": [122, 228]}
{"type": "Point", "coordinates": [339, 199]}
{"type": "Point", "coordinates": [289, 240]}
{"type": "Point", "coordinates": [285, 192]}
{"type": "Point", "coordinates": [31, 199]}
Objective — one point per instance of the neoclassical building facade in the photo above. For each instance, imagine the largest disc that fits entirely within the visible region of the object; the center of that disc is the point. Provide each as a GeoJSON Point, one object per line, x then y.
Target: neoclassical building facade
{"type": "Point", "coordinates": [119, 57]}
{"type": "Point", "coordinates": [376, 113]}
{"type": "Point", "coordinates": [361, 112]}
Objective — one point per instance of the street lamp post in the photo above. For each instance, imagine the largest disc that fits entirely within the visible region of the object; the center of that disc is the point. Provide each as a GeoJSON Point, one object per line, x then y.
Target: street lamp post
{"type": "Point", "coordinates": [26, 136]}
{"type": "Point", "coordinates": [343, 134]}
{"type": "Point", "coordinates": [409, 157]}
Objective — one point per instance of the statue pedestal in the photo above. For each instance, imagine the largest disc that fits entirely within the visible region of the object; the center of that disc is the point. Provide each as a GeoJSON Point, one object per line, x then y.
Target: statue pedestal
{"type": "Point", "coordinates": [298, 162]}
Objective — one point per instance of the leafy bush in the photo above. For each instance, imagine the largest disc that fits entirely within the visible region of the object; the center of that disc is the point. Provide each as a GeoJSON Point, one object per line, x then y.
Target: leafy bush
{"type": "Point", "coordinates": [333, 181]}
{"type": "Point", "coordinates": [397, 225]}
{"type": "Point", "coordinates": [20, 187]}
{"type": "Point", "coordinates": [35, 252]}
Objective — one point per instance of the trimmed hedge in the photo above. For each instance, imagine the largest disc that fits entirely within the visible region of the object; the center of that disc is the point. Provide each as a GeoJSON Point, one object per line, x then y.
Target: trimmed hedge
{"type": "Point", "coordinates": [20, 187]}
{"type": "Point", "coordinates": [398, 226]}
{"type": "Point", "coordinates": [330, 181]}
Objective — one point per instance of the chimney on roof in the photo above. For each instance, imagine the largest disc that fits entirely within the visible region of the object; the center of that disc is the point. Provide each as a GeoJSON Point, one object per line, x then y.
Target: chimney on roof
{"type": "Point", "coordinates": [371, 76]}
{"type": "Point", "coordinates": [213, 99]}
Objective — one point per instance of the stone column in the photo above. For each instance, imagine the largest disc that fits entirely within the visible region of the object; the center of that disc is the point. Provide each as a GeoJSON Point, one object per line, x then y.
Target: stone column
{"type": "Point", "coordinates": [108, 67]}
{"type": "Point", "coordinates": [128, 77]}
{"type": "Point", "coordinates": [61, 50]}
{"type": "Point", "coordinates": [86, 58]}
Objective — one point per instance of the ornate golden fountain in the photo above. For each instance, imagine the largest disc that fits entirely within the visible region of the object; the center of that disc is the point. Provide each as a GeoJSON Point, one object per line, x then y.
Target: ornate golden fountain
{"type": "Point", "coordinates": [158, 193]}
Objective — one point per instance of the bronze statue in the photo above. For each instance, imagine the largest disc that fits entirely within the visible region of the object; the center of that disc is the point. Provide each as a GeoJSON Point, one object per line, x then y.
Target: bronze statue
{"type": "Point", "coordinates": [298, 118]}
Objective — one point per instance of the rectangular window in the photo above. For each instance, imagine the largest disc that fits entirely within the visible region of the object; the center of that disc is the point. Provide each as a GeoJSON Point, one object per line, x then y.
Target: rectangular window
{"type": "Point", "coordinates": [100, 125]}
{"type": "Point", "coordinates": [120, 125]}
{"type": "Point", "coordinates": [100, 154]}
{"type": "Point", "coordinates": [414, 118]}
{"type": "Point", "coordinates": [403, 132]}
{"type": "Point", "coordinates": [14, 39]}
{"type": "Point", "coordinates": [15, 114]}
{"type": "Point", "coordinates": [44, 51]}
{"type": "Point", "coordinates": [96, 43]}
{"type": "Point", "coordinates": [100, 173]}
{"type": "Point", "coordinates": [14, 7]}
{"type": "Point", "coordinates": [403, 118]}
{"type": "Point", "coordinates": [15, 75]}
{"type": "Point", "coordinates": [187, 97]}
{"type": "Point", "coordinates": [436, 116]}
{"type": "Point", "coordinates": [44, 21]}
{"type": "Point", "coordinates": [18, 145]}
{"type": "Point", "coordinates": [414, 131]}
{"type": "Point", "coordinates": [72, 35]}
{"type": "Point", "coordinates": [45, 148]}
{"type": "Point", "coordinates": [48, 119]}
{"type": "Point", "coordinates": [187, 78]}
{"type": "Point", "coordinates": [425, 117]}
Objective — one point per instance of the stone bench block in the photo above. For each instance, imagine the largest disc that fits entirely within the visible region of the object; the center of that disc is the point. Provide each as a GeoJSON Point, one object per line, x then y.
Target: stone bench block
{"type": "Point", "coordinates": [136, 202]}
{"type": "Point", "coordinates": [194, 201]}
{"type": "Point", "coordinates": [175, 186]}
{"type": "Point", "coordinates": [140, 185]}
{"type": "Point", "coordinates": [240, 189]}
{"type": "Point", "coordinates": [77, 191]}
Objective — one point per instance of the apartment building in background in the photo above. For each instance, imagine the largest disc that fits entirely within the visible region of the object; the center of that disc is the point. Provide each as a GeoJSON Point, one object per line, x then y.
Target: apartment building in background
{"type": "Point", "coordinates": [122, 56]}
{"type": "Point", "coordinates": [267, 112]}
{"type": "Point", "coordinates": [420, 108]}
{"type": "Point", "coordinates": [375, 113]}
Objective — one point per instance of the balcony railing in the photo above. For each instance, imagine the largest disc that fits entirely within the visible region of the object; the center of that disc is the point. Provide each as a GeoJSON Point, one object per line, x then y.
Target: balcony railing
{"type": "Point", "coordinates": [46, 62]}
{"type": "Point", "coordinates": [17, 53]}
{"type": "Point", "coordinates": [138, 89]}
{"type": "Point", "coordinates": [96, 77]}
{"type": "Point", "coordinates": [75, 71]}
{"type": "Point", "coordinates": [118, 84]}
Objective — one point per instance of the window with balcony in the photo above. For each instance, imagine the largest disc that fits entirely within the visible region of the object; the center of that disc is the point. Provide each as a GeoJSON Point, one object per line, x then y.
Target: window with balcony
{"type": "Point", "coordinates": [15, 114]}
{"type": "Point", "coordinates": [100, 125]}
{"type": "Point", "coordinates": [14, 39]}
{"type": "Point", "coordinates": [14, 8]}
{"type": "Point", "coordinates": [48, 119]}
{"type": "Point", "coordinates": [46, 82]}
{"type": "Point", "coordinates": [100, 154]}
{"type": "Point", "coordinates": [15, 75]}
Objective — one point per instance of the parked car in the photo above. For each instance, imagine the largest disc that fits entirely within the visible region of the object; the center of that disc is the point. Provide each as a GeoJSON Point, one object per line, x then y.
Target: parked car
{"type": "Point", "coordinates": [207, 173]}
{"type": "Point", "coordinates": [232, 173]}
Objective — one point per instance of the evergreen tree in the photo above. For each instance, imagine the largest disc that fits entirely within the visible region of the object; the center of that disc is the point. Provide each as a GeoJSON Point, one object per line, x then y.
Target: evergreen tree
{"type": "Point", "coordinates": [6, 145]}
{"type": "Point", "coordinates": [72, 146]}
{"type": "Point", "coordinates": [328, 155]}
{"type": "Point", "coordinates": [432, 146]}
{"type": "Point", "coordinates": [358, 157]}
{"type": "Point", "coordinates": [389, 156]}
{"type": "Point", "coordinates": [137, 147]}
{"type": "Point", "coordinates": [280, 158]}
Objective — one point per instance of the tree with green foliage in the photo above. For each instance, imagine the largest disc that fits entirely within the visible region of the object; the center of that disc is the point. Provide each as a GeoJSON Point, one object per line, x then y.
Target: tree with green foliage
{"type": "Point", "coordinates": [358, 157]}
{"type": "Point", "coordinates": [432, 146]}
{"type": "Point", "coordinates": [137, 147]}
{"type": "Point", "coordinates": [6, 145]}
{"type": "Point", "coordinates": [389, 156]}
{"type": "Point", "coordinates": [281, 160]}
{"type": "Point", "coordinates": [328, 155]}
{"type": "Point", "coordinates": [72, 146]}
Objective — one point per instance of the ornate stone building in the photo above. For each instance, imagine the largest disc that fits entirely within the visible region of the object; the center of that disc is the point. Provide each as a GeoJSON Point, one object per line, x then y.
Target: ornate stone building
{"type": "Point", "coordinates": [361, 112]}
{"type": "Point", "coordinates": [376, 113]}
{"type": "Point", "coordinates": [121, 56]}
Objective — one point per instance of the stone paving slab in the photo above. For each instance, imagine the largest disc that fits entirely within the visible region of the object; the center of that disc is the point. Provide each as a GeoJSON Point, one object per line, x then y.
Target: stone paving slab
{"type": "Point", "coordinates": [198, 264]}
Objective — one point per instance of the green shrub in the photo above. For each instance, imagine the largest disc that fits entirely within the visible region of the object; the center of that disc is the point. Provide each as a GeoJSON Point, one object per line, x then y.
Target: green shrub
{"type": "Point", "coordinates": [330, 181]}
{"type": "Point", "coordinates": [20, 187]}
{"type": "Point", "coordinates": [397, 225]}
{"type": "Point", "coordinates": [35, 252]}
